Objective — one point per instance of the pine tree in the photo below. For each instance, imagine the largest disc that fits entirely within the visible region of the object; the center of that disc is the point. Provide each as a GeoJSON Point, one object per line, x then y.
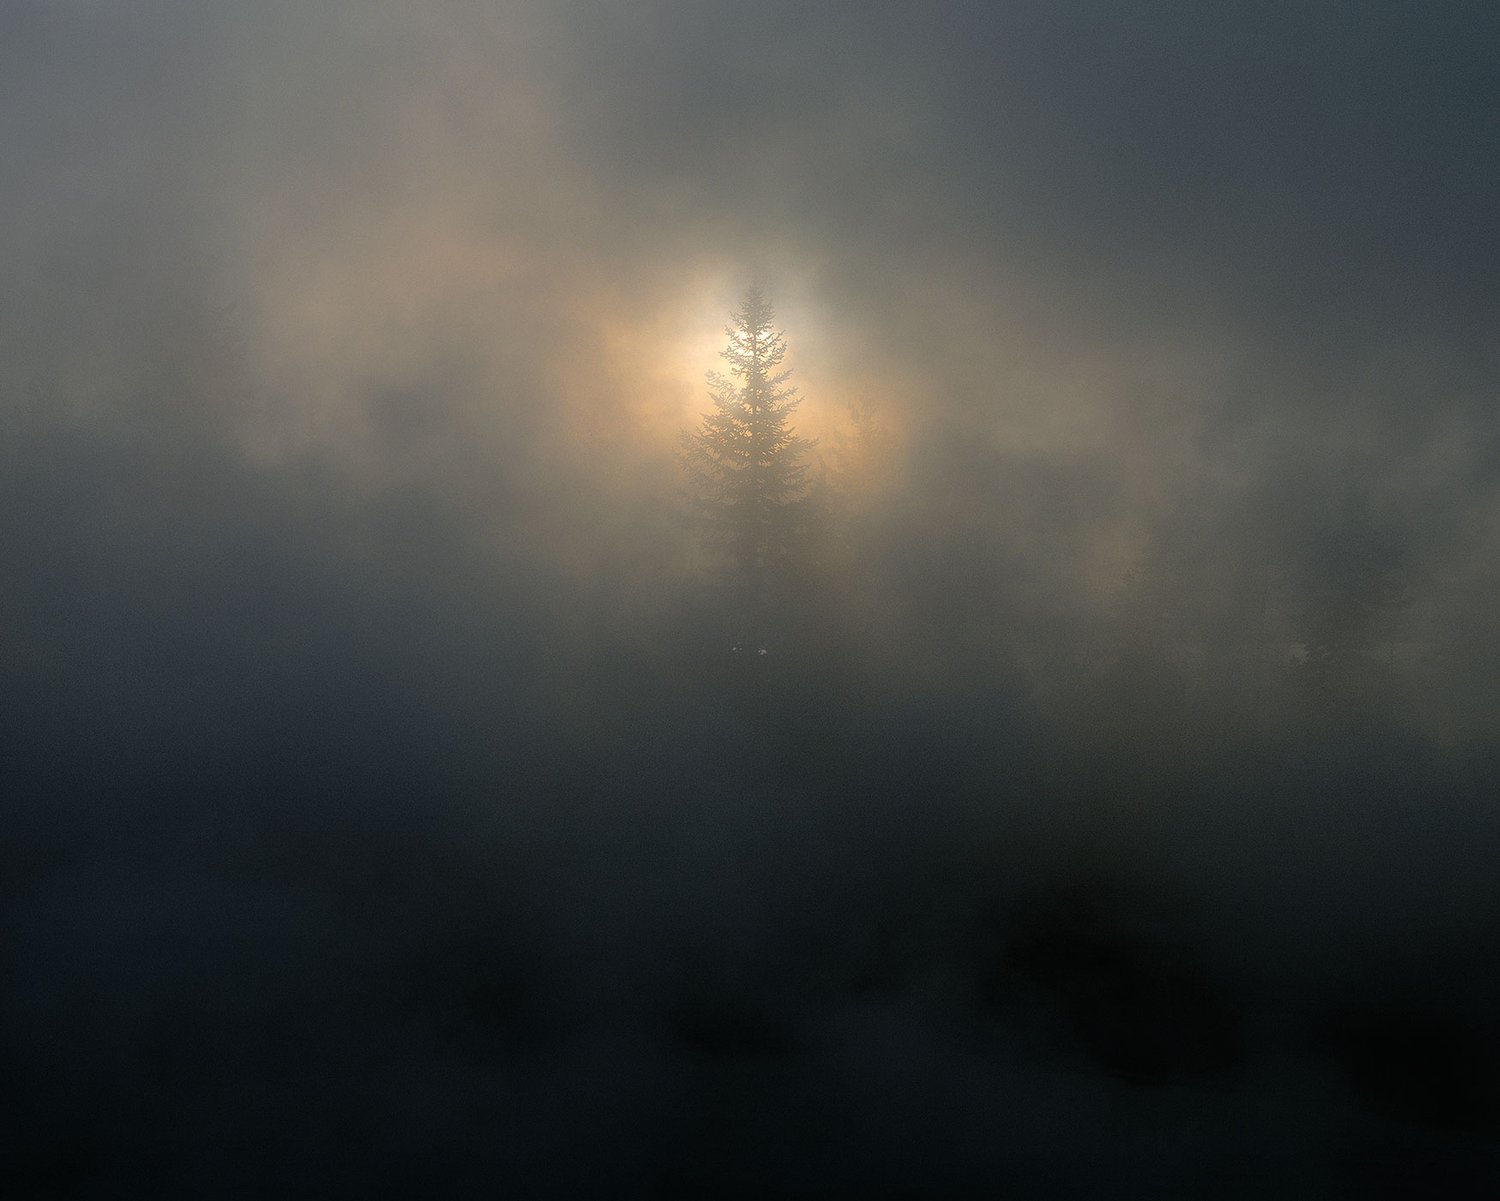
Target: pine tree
{"type": "Point", "coordinates": [746, 464]}
{"type": "Point", "coordinates": [860, 466]}
{"type": "Point", "coordinates": [1354, 591]}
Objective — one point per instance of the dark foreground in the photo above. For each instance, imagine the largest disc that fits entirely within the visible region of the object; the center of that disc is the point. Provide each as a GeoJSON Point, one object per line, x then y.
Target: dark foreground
{"type": "Point", "coordinates": [705, 933]}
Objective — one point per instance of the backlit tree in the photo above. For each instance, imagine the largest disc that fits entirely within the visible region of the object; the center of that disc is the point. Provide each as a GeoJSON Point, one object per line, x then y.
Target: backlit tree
{"type": "Point", "coordinates": [746, 464]}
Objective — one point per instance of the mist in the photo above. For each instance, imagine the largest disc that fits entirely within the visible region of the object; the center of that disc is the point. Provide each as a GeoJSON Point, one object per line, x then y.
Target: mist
{"type": "Point", "coordinates": [401, 794]}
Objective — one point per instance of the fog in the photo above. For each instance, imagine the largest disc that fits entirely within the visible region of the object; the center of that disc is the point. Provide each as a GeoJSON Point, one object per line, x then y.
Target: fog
{"type": "Point", "coordinates": [396, 796]}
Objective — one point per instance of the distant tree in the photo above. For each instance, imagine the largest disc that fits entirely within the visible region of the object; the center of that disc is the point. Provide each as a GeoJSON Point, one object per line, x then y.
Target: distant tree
{"type": "Point", "coordinates": [746, 465]}
{"type": "Point", "coordinates": [1194, 612]}
{"type": "Point", "coordinates": [860, 462]}
{"type": "Point", "coordinates": [1354, 593]}
{"type": "Point", "coordinates": [1462, 663]}
{"type": "Point", "coordinates": [857, 470]}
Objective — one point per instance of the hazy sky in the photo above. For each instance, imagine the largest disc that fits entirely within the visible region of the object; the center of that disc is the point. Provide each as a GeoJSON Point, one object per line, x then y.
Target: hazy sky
{"type": "Point", "coordinates": [1033, 216]}
{"type": "Point", "coordinates": [1153, 244]}
{"type": "Point", "coordinates": [1103, 268]}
